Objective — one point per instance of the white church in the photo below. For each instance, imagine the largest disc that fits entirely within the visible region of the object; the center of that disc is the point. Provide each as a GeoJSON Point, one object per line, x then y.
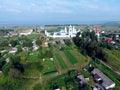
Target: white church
{"type": "Point", "coordinates": [70, 32]}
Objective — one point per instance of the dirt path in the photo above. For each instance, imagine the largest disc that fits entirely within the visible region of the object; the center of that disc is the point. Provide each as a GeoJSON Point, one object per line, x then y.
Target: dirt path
{"type": "Point", "coordinates": [115, 71]}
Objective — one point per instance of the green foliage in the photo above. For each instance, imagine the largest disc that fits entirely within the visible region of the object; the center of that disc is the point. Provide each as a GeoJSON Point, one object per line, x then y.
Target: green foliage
{"type": "Point", "coordinates": [14, 63]}
{"type": "Point", "coordinates": [6, 68]}
{"type": "Point", "coordinates": [4, 43]}
{"type": "Point", "coordinates": [67, 80]}
{"type": "Point", "coordinates": [72, 59]}
{"type": "Point", "coordinates": [19, 48]}
{"type": "Point", "coordinates": [39, 42]}
{"type": "Point", "coordinates": [23, 57]}
{"type": "Point", "coordinates": [45, 53]}
{"type": "Point", "coordinates": [14, 73]}
{"type": "Point", "coordinates": [37, 87]}
{"type": "Point", "coordinates": [106, 71]}
{"type": "Point", "coordinates": [114, 58]}
{"type": "Point", "coordinates": [61, 61]}
{"type": "Point", "coordinates": [33, 58]}
{"type": "Point", "coordinates": [48, 66]}
{"type": "Point", "coordinates": [27, 43]}
{"type": "Point", "coordinates": [2, 63]}
{"type": "Point", "coordinates": [42, 51]}
{"type": "Point", "coordinates": [72, 73]}
{"type": "Point", "coordinates": [88, 44]}
{"type": "Point", "coordinates": [14, 42]}
{"type": "Point", "coordinates": [67, 42]}
{"type": "Point", "coordinates": [49, 53]}
{"type": "Point", "coordinates": [70, 85]}
{"type": "Point", "coordinates": [8, 83]}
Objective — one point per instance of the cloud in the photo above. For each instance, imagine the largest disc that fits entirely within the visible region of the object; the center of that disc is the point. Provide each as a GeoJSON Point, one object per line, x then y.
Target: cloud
{"type": "Point", "coordinates": [55, 6]}
{"type": "Point", "coordinates": [13, 10]}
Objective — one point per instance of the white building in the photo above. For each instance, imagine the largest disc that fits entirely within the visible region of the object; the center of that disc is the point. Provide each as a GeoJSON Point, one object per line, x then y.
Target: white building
{"type": "Point", "coordinates": [70, 32]}
{"type": "Point", "coordinates": [107, 83]}
{"type": "Point", "coordinates": [25, 33]}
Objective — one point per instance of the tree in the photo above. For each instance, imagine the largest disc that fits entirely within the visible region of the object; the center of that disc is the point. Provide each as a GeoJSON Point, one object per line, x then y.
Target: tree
{"type": "Point", "coordinates": [4, 43]}
{"type": "Point", "coordinates": [6, 68]}
{"type": "Point", "coordinates": [27, 43]}
{"type": "Point", "coordinates": [2, 63]}
{"type": "Point", "coordinates": [69, 85]}
{"type": "Point", "coordinates": [14, 73]}
{"type": "Point", "coordinates": [72, 73]}
{"type": "Point", "coordinates": [23, 57]}
{"type": "Point", "coordinates": [49, 54]}
{"type": "Point", "coordinates": [19, 67]}
{"type": "Point", "coordinates": [14, 63]}
{"type": "Point", "coordinates": [14, 43]}
{"type": "Point", "coordinates": [67, 42]}
{"type": "Point", "coordinates": [39, 42]}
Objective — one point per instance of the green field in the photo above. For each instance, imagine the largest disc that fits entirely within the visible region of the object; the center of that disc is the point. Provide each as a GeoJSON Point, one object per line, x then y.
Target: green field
{"type": "Point", "coordinates": [61, 61]}
{"type": "Point", "coordinates": [48, 66]}
{"type": "Point", "coordinates": [32, 37]}
{"type": "Point", "coordinates": [71, 58]}
{"type": "Point", "coordinates": [33, 58]}
{"type": "Point", "coordinates": [113, 58]}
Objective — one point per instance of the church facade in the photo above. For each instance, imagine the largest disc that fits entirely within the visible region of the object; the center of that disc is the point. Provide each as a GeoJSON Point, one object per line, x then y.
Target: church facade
{"type": "Point", "coordinates": [66, 32]}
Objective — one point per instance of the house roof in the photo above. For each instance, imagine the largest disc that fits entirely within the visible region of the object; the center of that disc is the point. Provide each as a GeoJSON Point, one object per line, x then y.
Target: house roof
{"type": "Point", "coordinates": [81, 77]}
{"type": "Point", "coordinates": [106, 81]}
{"type": "Point", "coordinates": [96, 76]}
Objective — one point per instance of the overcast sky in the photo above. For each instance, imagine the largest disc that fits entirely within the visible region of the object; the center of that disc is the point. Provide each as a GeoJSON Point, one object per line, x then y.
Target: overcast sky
{"type": "Point", "coordinates": [58, 11]}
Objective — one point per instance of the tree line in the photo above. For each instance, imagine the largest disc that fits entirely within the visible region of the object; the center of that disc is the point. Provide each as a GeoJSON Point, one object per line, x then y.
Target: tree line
{"type": "Point", "coordinates": [88, 44]}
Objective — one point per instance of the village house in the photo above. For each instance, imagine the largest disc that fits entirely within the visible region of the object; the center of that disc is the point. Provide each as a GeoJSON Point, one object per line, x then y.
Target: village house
{"type": "Point", "coordinates": [45, 44]}
{"type": "Point", "coordinates": [109, 40]}
{"type": "Point", "coordinates": [12, 34]}
{"type": "Point", "coordinates": [83, 81]}
{"type": "Point", "coordinates": [3, 51]}
{"type": "Point", "coordinates": [7, 60]}
{"type": "Point", "coordinates": [13, 51]}
{"type": "Point", "coordinates": [62, 42]}
{"type": "Point", "coordinates": [26, 32]}
{"type": "Point", "coordinates": [57, 89]}
{"type": "Point", "coordinates": [35, 47]}
{"type": "Point", "coordinates": [25, 49]}
{"type": "Point", "coordinates": [100, 77]}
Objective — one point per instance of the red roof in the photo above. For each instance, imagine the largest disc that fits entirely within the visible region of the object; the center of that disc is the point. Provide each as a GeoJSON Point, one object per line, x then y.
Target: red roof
{"type": "Point", "coordinates": [109, 40]}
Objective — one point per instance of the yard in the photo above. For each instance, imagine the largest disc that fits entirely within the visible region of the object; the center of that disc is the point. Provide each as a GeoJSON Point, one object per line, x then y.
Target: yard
{"type": "Point", "coordinates": [48, 65]}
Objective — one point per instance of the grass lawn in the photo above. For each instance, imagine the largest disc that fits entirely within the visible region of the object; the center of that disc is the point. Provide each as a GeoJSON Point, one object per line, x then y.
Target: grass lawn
{"type": "Point", "coordinates": [28, 84]}
{"type": "Point", "coordinates": [33, 58]}
{"type": "Point", "coordinates": [71, 58]}
{"type": "Point", "coordinates": [113, 58]}
{"type": "Point", "coordinates": [48, 66]}
{"type": "Point", "coordinates": [79, 56]}
{"type": "Point", "coordinates": [61, 61]}
{"type": "Point", "coordinates": [32, 37]}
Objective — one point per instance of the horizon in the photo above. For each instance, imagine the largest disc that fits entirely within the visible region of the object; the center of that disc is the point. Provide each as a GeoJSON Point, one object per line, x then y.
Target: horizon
{"type": "Point", "coordinates": [42, 24]}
